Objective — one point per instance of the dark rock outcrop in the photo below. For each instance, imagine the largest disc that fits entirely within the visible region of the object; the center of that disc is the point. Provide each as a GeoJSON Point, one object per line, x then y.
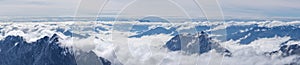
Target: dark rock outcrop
{"type": "Point", "coordinates": [287, 50]}
{"type": "Point", "coordinates": [14, 50]}
{"type": "Point", "coordinates": [195, 43]}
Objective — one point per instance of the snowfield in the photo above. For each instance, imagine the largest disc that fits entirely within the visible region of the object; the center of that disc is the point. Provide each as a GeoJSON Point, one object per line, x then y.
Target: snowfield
{"type": "Point", "coordinates": [143, 43]}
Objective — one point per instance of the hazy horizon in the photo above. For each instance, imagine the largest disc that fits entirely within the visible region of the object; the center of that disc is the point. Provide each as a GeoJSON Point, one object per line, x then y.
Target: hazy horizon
{"type": "Point", "coordinates": [229, 8]}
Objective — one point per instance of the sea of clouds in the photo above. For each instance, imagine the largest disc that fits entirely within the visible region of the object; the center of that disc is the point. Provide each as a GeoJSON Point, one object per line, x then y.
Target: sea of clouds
{"type": "Point", "coordinates": [110, 41]}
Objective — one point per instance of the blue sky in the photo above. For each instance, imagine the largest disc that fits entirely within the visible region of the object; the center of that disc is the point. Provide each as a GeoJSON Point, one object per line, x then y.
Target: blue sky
{"type": "Point", "coordinates": [234, 8]}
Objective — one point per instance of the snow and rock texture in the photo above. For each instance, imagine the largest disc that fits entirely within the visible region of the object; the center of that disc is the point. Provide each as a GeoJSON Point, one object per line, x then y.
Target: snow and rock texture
{"type": "Point", "coordinates": [195, 43]}
{"type": "Point", "coordinates": [158, 30]}
{"type": "Point", "coordinates": [292, 50]}
{"type": "Point", "coordinates": [45, 51]}
{"type": "Point", "coordinates": [248, 42]}
{"type": "Point", "coordinates": [254, 32]}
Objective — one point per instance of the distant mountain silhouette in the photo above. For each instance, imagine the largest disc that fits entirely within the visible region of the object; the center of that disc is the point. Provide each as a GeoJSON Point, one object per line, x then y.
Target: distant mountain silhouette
{"type": "Point", "coordinates": [158, 30]}
{"type": "Point", "coordinates": [255, 32]}
{"type": "Point", "coordinates": [153, 19]}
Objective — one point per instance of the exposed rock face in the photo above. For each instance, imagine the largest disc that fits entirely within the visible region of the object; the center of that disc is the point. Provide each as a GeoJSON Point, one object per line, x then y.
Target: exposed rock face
{"type": "Point", "coordinates": [287, 50]}
{"type": "Point", "coordinates": [195, 43]}
{"type": "Point", "coordinates": [14, 50]}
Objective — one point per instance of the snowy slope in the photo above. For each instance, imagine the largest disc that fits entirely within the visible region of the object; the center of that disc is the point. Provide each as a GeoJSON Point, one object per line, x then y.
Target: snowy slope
{"type": "Point", "coordinates": [142, 43]}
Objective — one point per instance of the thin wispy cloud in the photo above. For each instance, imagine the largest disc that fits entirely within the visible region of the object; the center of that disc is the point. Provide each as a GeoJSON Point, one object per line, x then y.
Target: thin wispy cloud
{"type": "Point", "coordinates": [235, 8]}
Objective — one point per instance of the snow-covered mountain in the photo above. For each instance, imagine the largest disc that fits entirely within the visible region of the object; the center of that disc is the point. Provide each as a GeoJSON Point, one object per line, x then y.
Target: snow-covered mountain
{"type": "Point", "coordinates": [45, 51]}
{"type": "Point", "coordinates": [146, 43]}
{"type": "Point", "coordinates": [195, 43]}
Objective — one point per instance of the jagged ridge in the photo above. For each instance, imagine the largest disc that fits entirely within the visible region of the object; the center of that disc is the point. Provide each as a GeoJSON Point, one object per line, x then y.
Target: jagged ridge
{"type": "Point", "coordinates": [14, 50]}
{"type": "Point", "coordinates": [195, 43]}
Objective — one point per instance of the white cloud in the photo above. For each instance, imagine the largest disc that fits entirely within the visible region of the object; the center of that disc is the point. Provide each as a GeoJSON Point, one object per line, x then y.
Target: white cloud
{"type": "Point", "coordinates": [38, 7]}
{"type": "Point", "coordinates": [260, 8]}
